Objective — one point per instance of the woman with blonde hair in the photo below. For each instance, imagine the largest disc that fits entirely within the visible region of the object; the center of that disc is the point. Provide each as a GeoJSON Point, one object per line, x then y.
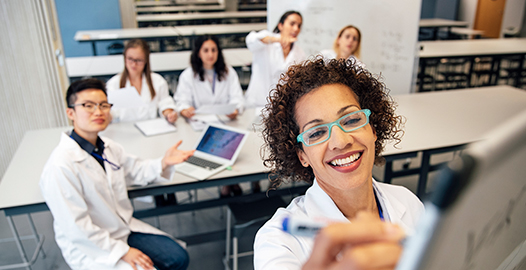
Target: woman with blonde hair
{"type": "Point", "coordinates": [346, 45]}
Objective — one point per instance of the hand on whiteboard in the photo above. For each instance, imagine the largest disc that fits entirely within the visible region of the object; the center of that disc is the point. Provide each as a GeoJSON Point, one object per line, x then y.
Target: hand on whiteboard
{"type": "Point", "coordinates": [366, 243]}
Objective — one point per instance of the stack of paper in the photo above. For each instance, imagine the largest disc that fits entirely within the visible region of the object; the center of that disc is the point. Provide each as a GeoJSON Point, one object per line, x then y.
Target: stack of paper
{"type": "Point", "coordinates": [155, 127]}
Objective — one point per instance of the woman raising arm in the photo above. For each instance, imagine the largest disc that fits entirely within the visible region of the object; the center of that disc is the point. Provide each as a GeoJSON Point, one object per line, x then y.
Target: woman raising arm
{"type": "Point", "coordinates": [272, 54]}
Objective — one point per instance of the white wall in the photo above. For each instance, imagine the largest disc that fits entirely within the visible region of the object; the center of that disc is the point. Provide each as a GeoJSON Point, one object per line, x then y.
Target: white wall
{"type": "Point", "coordinates": [513, 15]}
{"type": "Point", "coordinates": [467, 10]}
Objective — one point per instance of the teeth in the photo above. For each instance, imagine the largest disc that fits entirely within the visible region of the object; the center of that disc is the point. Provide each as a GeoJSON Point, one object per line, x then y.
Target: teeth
{"type": "Point", "coordinates": [345, 161]}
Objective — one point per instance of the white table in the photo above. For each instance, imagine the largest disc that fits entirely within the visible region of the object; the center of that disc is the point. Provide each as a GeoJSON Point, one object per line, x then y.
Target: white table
{"type": "Point", "coordinates": [20, 192]}
{"type": "Point", "coordinates": [477, 47]}
{"type": "Point", "coordinates": [200, 16]}
{"type": "Point", "coordinates": [444, 121]}
{"type": "Point", "coordinates": [149, 33]}
{"type": "Point", "coordinates": [219, 29]}
{"type": "Point", "coordinates": [472, 49]}
{"type": "Point", "coordinates": [165, 32]}
{"type": "Point", "coordinates": [190, 7]}
{"type": "Point", "coordinates": [174, 2]}
{"type": "Point", "coordinates": [467, 32]}
{"type": "Point", "coordinates": [438, 23]}
{"type": "Point", "coordinates": [160, 62]}
{"type": "Point", "coordinates": [435, 121]}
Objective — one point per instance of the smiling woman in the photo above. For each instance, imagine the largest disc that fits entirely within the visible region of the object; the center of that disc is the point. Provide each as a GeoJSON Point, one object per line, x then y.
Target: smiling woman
{"type": "Point", "coordinates": [327, 123]}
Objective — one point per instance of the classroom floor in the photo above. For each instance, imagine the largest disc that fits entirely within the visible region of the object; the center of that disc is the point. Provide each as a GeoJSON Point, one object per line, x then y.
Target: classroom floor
{"type": "Point", "coordinates": [208, 255]}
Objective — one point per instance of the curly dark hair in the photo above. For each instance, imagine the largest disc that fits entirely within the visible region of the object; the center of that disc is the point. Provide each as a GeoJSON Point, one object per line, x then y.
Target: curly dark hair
{"type": "Point", "coordinates": [197, 64]}
{"type": "Point", "coordinates": [279, 122]}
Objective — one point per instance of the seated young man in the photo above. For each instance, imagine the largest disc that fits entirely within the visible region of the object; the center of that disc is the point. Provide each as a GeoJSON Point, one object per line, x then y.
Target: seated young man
{"type": "Point", "coordinates": [84, 183]}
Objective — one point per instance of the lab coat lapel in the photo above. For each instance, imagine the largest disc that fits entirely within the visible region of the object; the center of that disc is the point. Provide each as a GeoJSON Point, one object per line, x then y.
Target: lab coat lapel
{"type": "Point", "coordinates": [117, 183]}
{"type": "Point", "coordinates": [319, 205]}
{"type": "Point", "coordinates": [395, 209]}
{"type": "Point", "coordinates": [78, 154]}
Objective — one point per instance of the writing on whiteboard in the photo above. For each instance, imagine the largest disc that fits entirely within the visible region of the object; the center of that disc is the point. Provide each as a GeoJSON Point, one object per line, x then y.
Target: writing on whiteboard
{"type": "Point", "coordinates": [392, 56]}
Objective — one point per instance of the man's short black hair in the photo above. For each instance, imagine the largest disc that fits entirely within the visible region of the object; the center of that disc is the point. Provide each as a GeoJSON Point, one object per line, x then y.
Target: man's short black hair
{"type": "Point", "coordinates": [81, 85]}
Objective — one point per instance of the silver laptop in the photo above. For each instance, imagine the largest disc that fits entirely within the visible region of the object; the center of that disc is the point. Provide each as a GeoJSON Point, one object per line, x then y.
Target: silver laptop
{"type": "Point", "coordinates": [476, 215]}
{"type": "Point", "coordinates": [216, 149]}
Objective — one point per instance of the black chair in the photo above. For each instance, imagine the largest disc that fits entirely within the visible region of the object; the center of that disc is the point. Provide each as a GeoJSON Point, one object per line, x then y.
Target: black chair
{"type": "Point", "coordinates": [246, 214]}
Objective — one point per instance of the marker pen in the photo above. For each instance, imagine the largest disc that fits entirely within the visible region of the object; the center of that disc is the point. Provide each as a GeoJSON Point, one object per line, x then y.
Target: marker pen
{"type": "Point", "coordinates": [302, 226]}
{"type": "Point", "coordinates": [306, 227]}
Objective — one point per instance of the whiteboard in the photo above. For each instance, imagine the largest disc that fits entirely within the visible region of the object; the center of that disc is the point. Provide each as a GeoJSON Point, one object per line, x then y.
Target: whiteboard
{"type": "Point", "coordinates": [389, 32]}
{"type": "Point", "coordinates": [483, 227]}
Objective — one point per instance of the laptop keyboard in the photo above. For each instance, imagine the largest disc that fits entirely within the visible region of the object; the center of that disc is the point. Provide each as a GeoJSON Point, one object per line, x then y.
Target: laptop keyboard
{"type": "Point", "coordinates": [203, 163]}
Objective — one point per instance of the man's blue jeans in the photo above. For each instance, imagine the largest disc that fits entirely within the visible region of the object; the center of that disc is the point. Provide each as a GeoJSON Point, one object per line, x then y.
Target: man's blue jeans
{"type": "Point", "coordinates": [165, 253]}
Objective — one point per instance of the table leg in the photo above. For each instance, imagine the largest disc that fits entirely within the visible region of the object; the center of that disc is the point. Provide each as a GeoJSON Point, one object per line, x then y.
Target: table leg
{"type": "Point", "coordinates": [388, 174]}
{"type": "Point", "coordinates": [17, 241]}
{"type": "Point", "coordinates": [495, 70]}
{"type": "Point", "coordinates": [470, 71]}
{"type": "Point", "coordinates": [161, 44]}
{"type": "Point", "coordinates": [422, 75]}
{"type": "Point", "coordinates": [519, 72]}
{"type": "Point", "coordinates": [424, 171]}
{"type": "Point", "coordinates": [94, 48]}
{"type": "Point", "coordinates": [34, 230]}
{"type": "Point", "coordinates": [435, 33]}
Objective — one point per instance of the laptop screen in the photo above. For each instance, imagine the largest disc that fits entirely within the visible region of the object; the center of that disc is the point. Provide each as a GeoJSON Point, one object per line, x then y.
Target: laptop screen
{"type": "Point", "coordinates": [220, 142]}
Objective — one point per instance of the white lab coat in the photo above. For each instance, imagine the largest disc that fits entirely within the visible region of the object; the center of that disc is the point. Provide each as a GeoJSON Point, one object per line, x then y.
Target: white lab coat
{"type": "Point", "coordinates": [91, 209]}
{"type": "Point", "coordinates": [151, 108]}
{"type": "Point", "coordinates": [192, 92]}
{"type": "Point", "coordinates": [331, 54]}
{"type": "Point", "coordinates": [276, 249]}
{"type": "Point", "coordinates": [267, 65]}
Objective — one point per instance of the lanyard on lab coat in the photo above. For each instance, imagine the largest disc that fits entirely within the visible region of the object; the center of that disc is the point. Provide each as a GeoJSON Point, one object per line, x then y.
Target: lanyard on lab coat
{"type": "Point", "coordinates": [380, 212]}
{"type": "Point", "coordinates": [114, 166]}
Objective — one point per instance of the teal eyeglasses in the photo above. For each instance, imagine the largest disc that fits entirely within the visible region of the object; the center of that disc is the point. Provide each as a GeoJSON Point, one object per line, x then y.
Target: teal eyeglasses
{"type": "Point", "coordinates": [347, 123]}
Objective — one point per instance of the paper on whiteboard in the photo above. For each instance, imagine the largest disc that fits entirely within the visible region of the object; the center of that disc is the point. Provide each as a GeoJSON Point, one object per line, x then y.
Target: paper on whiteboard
{"type": "Point", "coordinates": [127, 97]}
{"type": "Point", "coordinates": [216, 109]}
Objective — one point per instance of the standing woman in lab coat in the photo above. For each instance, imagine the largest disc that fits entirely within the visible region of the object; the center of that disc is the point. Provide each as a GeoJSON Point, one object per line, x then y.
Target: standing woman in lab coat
{"type": "Point", "coordinates": [272, 54]}
{"type": "Point", "coordinates": [326, 124]}
{"type": "Point", "coordinates": [346, 45]}
{"type": "Point", "coordinates": [152, 87]}
{"type": "Point", "coordinates": [209, 80]}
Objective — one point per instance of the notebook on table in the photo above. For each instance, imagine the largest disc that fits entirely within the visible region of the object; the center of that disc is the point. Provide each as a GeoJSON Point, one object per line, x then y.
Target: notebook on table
{"type": "Point", "coordinates": [217, 148]}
